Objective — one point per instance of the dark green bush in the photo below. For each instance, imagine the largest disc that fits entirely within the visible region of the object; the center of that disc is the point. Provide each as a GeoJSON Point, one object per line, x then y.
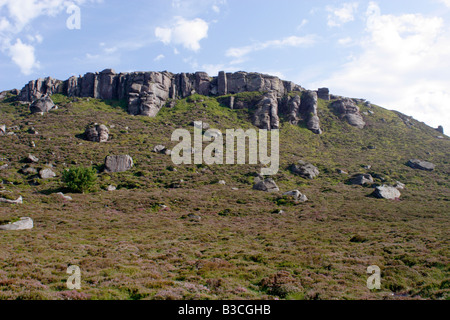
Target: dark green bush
{"type": "Point", "coordinates": [80, 179]}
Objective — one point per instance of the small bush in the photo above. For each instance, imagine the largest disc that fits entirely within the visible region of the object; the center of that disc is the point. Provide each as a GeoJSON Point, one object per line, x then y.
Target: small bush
{"type": "Point", "coordinates": [80, 179]}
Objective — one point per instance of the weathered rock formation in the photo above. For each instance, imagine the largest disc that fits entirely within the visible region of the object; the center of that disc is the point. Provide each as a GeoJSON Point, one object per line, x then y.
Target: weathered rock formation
{"type": "Point", "coordinates": [323, 93]}
{"type": "Point", "coordinates": [147, 92]}
{"type": "Point", "coordinates": [348, 110]}
{"type": "Point", "coordinates": [118, 163]}
{"type": "Point", "coordinates": [266, 115]}
{"type": "Point", "coordinates": [97, 133]}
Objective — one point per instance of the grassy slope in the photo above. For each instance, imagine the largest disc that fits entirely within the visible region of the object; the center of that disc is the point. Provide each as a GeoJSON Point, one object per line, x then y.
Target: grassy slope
{"type": "Point", "coordinates": [128, 248]}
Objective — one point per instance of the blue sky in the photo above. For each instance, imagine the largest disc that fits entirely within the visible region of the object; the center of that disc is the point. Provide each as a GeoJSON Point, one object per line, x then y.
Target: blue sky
{"type": "Point", "coordinates": [393, 53]}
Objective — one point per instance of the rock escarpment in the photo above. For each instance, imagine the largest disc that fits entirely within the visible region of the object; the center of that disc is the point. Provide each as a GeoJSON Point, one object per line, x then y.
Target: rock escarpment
{"type": "Point", "coordinates": [147, 92]}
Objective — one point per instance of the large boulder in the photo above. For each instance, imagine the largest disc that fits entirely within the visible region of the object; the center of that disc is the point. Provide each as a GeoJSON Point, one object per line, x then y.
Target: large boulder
{"type": "Point", "coordinates": [387, 192]}
{"type": "Point", "coordinates": [305, 170]}
{"type": "Point", "coordinates": [421, 165]}
{"type": "Point", "coordinates": [97, 133]}
{"type": "Point", "coordinates": [348, 110]}
{"type": "Point", "coordinates": [361, 179]}
{"type": "Point", "coordinates": [118, 163]}
{"type": "Point", "coordinates": [23, 224]}
{"type": "Point", "coordinates": [267, 185]}
{"type": "Point", "coordinates": [44, 104]}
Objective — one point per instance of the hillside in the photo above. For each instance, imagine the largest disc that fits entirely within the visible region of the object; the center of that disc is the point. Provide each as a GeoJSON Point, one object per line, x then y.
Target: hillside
{"type": "Point", "coordinates": [174, 232]}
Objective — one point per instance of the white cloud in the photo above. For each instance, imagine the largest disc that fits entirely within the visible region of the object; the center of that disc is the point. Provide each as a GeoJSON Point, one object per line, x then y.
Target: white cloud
{"type": "Point", "coordinates": [159, 57]}
{"type": "Point", "coordinates": [345, 41]}
{"type": "Point", "coordinates": [14, 26]}
{"type": "Point", "coordinates": [23, 56]}
{"type": "Point", "coordinates": [445, 2]}
{"type": "Point", "coordinates": [339, 16]}
{"type": "Point", "coordinates": [187, 33]}
{"type": "Point", "coordinates": [403, 65]}
{"type": "Point", "coordinates": [240, 53]}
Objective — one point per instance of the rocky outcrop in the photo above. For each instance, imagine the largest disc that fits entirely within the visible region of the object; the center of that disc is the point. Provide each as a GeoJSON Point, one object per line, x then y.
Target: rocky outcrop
{"type": "Point", "coordinates": [348, 110]}
{"type": "Point", "coordinates": [266, 115]}
{"type": "Point", "coordinates": [421, 165]}
{"type": "Point", "coordinates": [305, 170]}
{"type": "Point", "coordinates": [147, 92]}
{"type": "Point", "coordinates": [2, 130]}
{"type": "Point", "coordinates": [41, 105]}
{"type": "Point", "coordinates": [118, 163]}
{"type": "Point", "coordinates": [303, 108]}
{"type": "Point", "coordinates": [308, 109]}
{"type": "Point", "coordinates": [387, 192]}
{"type": "Point", "coordinates": [440, 129]}
{"type": "Point", "coordinates": [96, 133]}
{"type": "Point", "coordinates": [323, 93]}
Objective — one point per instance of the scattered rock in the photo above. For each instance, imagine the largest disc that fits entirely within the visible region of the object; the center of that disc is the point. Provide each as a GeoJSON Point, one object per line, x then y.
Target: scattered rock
{"type": "Point", "coordinates": [159, 149]}
{"type": "Point", "coordinates": [267, 185]}
{"type": "Point", "coordinates": [111, 188]}
{"type": "Point", "coordinates": [18, 201]}
{"type": "Point", "coordinates": [399, 185]}
{"type": "Point", "coordinates": [44, 104]}
{"type": "Point", "coordinates": [297, 195]}
{"type": "Point", "coordinates": [64, 196]}
{"type": "Point", "coordinates": [2, 130]}
{"type": "Point", "coordinates": [367, 167]}
{"type": "Point", "coordinates": [47, 174]}
{"type": "Point", "coordinates": [340, 171]}
{"type": "Point", "coordinates": [387, 192]}
{"type": "Point", "coordinates": [440, 137]}
{"type": "Point", "coordinates": [32, 159]}
{"type": "Point", "coordinates": [96, 133]}
{"type": "Point", "coordinates": [118, 163]}
{"type": "Point", "coordinates": [194, 217]}
{"type": "Point", "coordinates": [305, 170]}
{"type": "Point", "coordinates": [3, 167]}
{"type": "Point", "coordinates": [23, 224]}
{"type": "Point", "coordinates": [421, 165]}
{"type": "Point", "coordinates": [29, 170]}
{"type": "Point", "coordinates": [361, 179]}
{"type": "Point", "coordinates": [222, 182]}
{"type": "Point", "coordinates": [201, 125]}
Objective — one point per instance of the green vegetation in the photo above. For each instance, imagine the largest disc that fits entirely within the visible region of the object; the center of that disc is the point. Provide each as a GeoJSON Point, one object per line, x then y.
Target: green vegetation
{"type": "Point", "coordinates": [140, 242]}
{"type": "Point", "coordinates": [80, 179]}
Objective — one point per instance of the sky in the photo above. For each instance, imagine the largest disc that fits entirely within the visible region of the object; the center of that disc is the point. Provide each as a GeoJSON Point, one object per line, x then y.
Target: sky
{"type": "Point", "coordinates": [395, 54]}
